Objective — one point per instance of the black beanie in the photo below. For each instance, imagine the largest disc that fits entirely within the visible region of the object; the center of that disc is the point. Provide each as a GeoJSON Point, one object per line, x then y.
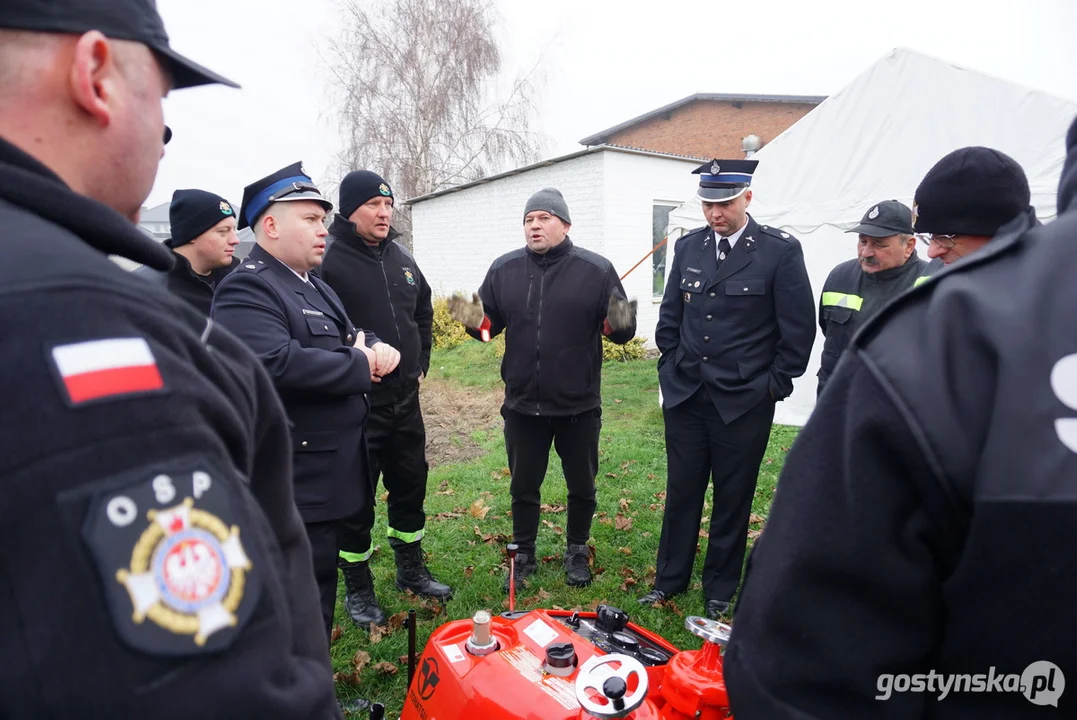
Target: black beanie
{"type": "Point", "coordinates": [359, 186]}
{"type": "Point", "coordinates": [971, 191]}
{"type": "Point", "coordinates": [192, 212]}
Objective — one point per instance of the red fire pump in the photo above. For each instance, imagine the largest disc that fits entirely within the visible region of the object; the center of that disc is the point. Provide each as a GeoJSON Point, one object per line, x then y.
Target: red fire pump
{"type": "Point", "coordinates": [561, 665]}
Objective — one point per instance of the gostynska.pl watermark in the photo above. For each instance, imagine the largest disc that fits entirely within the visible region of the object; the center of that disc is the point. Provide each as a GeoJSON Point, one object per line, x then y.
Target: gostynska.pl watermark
{"type": "Point", "coordinates": [1041, 683]}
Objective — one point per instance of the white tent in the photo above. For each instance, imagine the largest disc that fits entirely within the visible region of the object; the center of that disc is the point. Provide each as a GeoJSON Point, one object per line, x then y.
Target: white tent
{"type": "Point", "coordinates": [874, 140]}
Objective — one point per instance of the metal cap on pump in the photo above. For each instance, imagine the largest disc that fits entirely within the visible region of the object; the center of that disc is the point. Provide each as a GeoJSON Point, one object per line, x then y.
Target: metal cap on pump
{"type": "Point", "coordinates": [482, 641]}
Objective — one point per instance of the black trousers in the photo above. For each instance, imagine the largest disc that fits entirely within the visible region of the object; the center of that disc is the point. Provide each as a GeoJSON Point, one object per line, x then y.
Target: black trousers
{"type": "Point", "coordinates": [396, 441]}
{"type": "Point", "coordinates": [527, 441]}
{"type": "Point", "coordinates": [323, 550]}
{"type": "Point", "coordinates": [701, 447]}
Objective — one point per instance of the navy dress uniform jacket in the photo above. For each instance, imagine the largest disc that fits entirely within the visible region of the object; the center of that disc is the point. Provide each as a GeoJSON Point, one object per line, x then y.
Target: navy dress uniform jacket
{"type": "Point", "coordinates": [745, 329]}
{"type": "Point", "coordinates": [124, 405]}
{"type": "Point", "coordinates": [304, 339]}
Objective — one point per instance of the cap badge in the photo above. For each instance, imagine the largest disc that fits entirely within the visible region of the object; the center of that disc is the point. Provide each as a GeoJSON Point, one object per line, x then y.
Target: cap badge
{"type": "Point", "coordinates": [226, 208]}
{"type": "Point", "coordinates": [874, 213]}
{"type": "Point", "coordinates": [384, 189]}
{"type": "Point", "coordinates": [715, 169]}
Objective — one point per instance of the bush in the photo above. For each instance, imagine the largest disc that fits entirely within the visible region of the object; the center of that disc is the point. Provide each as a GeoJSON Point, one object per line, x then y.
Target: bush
{"type": "Point", "coordinates": [447, 333]}
{"type": "Point", "coordinates": [634, 349]}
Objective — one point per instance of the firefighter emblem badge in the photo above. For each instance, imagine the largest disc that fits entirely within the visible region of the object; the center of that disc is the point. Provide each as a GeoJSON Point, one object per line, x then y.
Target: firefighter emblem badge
{"type": "Point", "coordinates": [384, 190]}
{"type": "Point", "coordinates": [179, 578]}
{"type": "Point", "coordinates": [409, 276]}
{"type": "Point", "coordinates": [874, 213]}
{"type": "Point", "coordinates": [226, 209]}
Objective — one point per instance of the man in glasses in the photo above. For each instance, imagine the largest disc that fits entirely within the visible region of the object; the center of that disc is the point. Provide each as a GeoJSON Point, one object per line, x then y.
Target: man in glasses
{"type": "Point", "coordinates": [964, 200]}
{"type": "Point", "coordinates": [151, 557]}
{"type": "Point", "coordinates": [886, 266]}
{"type": "Point", "coordinates": [321, 364]}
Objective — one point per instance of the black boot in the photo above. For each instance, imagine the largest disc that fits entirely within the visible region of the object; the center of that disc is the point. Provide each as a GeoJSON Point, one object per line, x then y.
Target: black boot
{"type": "Point", "coordinates": [577, 565]}
{"type": "Point", "coordinates": [525, 568]}
{"type": "Point", "coordinates": [360, 602]}
{"type": "Point", "coordinates": [412, 573]}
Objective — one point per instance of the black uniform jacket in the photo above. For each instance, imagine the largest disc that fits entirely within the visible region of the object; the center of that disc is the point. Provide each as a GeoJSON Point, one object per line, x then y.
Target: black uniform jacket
{"type": "Point", "coordinates": [125, 407]}
{"type": "Point", "coordinates": [851, 296]}
{"type": "Point", "coordinates": [181, 280]}
{"type": "Point", "coordinates": [926, 515]}
{"type": "Point", "coordinates": [304, 338]}
{"type": "Point", "coordinates": [383, 290]}
{"type": "Point", "coordinates": [745, 329]}
{"type": "Point", "coordinates": [552, 308]}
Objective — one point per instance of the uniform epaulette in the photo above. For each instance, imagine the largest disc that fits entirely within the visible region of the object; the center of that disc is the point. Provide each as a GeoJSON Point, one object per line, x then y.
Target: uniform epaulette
{"type": "Point", "coordinates": [690, 233]}
{"type": "Point", "coordinates": [252, 266]}
{"type": "Point", "coordinates": [776, 232]}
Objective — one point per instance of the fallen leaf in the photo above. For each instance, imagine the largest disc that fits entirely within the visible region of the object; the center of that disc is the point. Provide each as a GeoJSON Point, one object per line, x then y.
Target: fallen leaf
{"type": "Point", "coordinates": [468, 571]}
{"type": "Point", "coordinates": [447, 516]}
{"type": "Point", "coordinates": [478, 510]}
{"type": "Point", "coordinates": [618, 401]}
{"type": "Point", "coordinates": [629, 582]}
{"type": "Point", "coordinates": [446, 491]}
{"type": "Point", "coordinates": [753, 518]}
{"type": "Point", "coordinates": [605, 521]}
{"type": "Point", "coordinates": [625, 464]}
{"type": "Point", "coordinates": [660, 495]}
{"type": "Point", "coordinates": [385, 496]}
{"type": "Point", "coordinates": [555, 508]}
{"type": "Point", "coordinates": [753, 534]}
{"type": "Point", "coordinates": [622, 523]}
{"type": "Point", "coordinates": [396, 620]}
{"type": "Point", "coordinates": [601, 515]}
{"type": "Point", "coordinates": [623, 504]}
{"type": "Point", "coordinates": [650, 476]}
{"type": "Point", "coordinates": [346, 678]}
{"type": "Point", "coordinates": [385, 668]}
{"type": "Point", "coordinates": [611, 475]}
{"type": "Point", "coordinates": [360, 660]}
{"type": "Point", "coordinates": [505, 472]}
{"type": "Point", "coordinates": [551, 558]}
{"type": "Point", "coordinates": [403, 659]}
{"type": "Point", "coordinates": [646, 534]}
{"type": "Point", "coordinates": [376, 634]}
{"type": "Point", "coordinates": [703, 533]}
{"type": "Point", "coordinates": [625, 550]}
{"type": "Point", "coordinates": [337, 632]}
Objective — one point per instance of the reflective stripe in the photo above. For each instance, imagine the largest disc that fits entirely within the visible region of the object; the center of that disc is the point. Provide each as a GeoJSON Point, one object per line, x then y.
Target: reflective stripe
{"type": "Point", "coordinates": [921, 280]}
{"type": "Point", "coordinates": [837, 299]}
{"type": "Point", "coordinates": [356, 557]}
{"type": "Point", "coordinates": [406, 536]}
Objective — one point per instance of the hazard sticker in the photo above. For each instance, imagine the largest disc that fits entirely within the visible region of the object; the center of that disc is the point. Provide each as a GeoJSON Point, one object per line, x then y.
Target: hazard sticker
{"type": "Point", "coordinates": [174, 559]}
{"type": "Point", "coordinates": [541, 633]}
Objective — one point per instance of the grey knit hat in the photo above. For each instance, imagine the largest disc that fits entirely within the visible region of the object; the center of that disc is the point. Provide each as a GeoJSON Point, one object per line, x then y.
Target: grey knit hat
{"type": "Point", "coordinates": [550, 200]}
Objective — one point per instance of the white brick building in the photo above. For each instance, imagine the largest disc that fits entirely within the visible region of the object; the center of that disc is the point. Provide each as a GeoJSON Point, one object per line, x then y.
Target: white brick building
{"type": "Point", "coordinates": [619, 200]}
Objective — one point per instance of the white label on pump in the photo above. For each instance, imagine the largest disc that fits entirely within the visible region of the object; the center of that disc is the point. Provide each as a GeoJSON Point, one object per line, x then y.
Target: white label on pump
{"type": "Point", "coordinates": [453, 652]}
{"type": "Point", "coordinates": [541, 633]}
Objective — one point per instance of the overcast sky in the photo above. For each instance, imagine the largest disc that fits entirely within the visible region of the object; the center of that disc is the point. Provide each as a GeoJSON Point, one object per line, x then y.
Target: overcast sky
{"type": "Point", "coordinates": [603, 64]}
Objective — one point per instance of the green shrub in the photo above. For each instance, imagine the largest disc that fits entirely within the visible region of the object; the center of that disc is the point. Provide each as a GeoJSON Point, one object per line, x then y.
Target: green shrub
{"type": "Point", "coordinates": [634, 349]}
{"type": "Point", "coordinates": [447, 333]}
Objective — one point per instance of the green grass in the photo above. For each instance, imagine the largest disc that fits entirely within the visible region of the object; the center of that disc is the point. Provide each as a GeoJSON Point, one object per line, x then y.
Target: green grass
{"type": "Point", "coordinates": [468, 553]}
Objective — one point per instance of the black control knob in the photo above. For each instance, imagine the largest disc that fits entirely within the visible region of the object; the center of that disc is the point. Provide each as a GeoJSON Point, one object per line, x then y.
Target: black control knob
{"type": "Point", "coordinates": [614, 689]}
{"type": "Point", "coordinates": [574, 621]}
{"type": "Point", "coordinates": [611, 619]}
{"type": "Point", "coordinates": [651, 657]}
{"type": "Point", "coordinates": [561, 655]}
{"type": "Point", "coordinates": [625, 642]}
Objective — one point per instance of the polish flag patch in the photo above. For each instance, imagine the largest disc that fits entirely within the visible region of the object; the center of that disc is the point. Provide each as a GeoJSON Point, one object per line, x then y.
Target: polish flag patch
{"type": "Point", "coordinates": [106, 368]}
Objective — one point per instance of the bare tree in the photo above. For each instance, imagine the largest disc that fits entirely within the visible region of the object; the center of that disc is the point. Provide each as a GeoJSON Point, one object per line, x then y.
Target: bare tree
{"type": "Point", "coordinates": [418, 98]}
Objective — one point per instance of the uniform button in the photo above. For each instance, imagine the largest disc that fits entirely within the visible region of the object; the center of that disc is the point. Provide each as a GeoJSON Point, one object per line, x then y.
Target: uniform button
{"type": "Point", "coordinates": [704, 358]}
{"type": "Point", "coordinates": [304, 443]}
{"type": "Point", "coordinates": [706, 338]}
{"type": "Point", "coordinates": [745, 289]}
{"type": "Point", "coordinates": [348, 339]}
{"type": "Point", "coordinates": [326, 327]}
{"type": "Point", "coordinates": [712, 294]}
{"type": "Point", "coordinates": [708, 317]}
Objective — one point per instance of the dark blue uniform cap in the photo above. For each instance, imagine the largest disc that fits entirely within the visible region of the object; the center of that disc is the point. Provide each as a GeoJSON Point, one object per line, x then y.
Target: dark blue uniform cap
{"type": "Point", "coordinates": [135, 20]}
{"type": "Point", "coordinates": [722, 180]}
{"type": "Point", "coordinates": [287, 184]}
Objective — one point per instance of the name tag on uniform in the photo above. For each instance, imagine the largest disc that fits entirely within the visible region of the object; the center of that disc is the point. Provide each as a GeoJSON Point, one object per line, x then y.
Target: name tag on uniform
{"type": "Point", "coordinates": [314, 313]}
{"type": "Point", "coordinates": [693, 270]}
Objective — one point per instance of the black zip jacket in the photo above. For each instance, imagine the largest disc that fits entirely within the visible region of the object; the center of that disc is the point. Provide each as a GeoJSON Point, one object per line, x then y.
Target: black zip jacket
{"type": "Point", "coordinates": [552, 308]}
{"type": "Point", "coordinates": [383, 291]}
{"type": "Point", "coordinates": [184, 282]}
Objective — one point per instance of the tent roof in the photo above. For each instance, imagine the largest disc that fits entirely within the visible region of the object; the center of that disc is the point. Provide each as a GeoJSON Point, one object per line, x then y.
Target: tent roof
{"type": "Point", "coordinates": [876, 139]}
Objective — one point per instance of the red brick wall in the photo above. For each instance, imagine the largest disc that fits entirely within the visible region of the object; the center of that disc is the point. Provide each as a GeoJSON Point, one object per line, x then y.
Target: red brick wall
{"type": "Point", "coordinates": [711, 129]}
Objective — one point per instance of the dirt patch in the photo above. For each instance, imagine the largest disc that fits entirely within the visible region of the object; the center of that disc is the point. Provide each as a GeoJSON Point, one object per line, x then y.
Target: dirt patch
{"type": "Point", "coordinates": [451, 414]}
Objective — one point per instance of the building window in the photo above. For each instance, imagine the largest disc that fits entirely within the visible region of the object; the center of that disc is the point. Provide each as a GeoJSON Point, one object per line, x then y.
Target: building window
{"type": "Point", "coordinates": [659, 222]}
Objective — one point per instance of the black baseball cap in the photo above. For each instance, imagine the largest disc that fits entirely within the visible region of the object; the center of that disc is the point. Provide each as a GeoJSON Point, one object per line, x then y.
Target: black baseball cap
{"type": "Point", "coordinates": [884, 219]}
{"type": "Point", "coordinates": [136, 20]}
